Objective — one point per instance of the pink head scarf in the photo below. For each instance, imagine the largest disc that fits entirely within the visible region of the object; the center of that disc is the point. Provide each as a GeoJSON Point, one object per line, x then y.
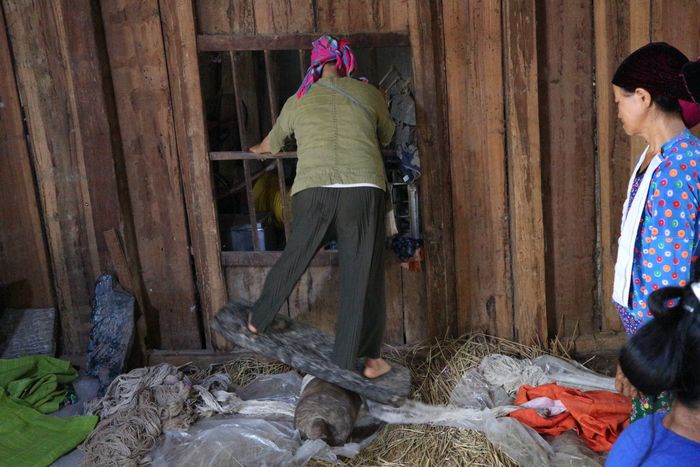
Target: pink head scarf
{"type": "Point", "coordinates": [327, 49]}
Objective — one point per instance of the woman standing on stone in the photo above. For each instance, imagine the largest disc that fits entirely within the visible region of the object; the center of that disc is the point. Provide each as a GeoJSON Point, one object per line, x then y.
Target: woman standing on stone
{"type": "Point", "coordinates": [338, 194]}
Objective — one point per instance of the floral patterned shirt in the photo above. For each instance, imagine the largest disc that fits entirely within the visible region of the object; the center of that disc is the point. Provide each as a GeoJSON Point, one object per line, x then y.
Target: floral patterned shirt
{"type": "Point", "coordinates": [667, 240]}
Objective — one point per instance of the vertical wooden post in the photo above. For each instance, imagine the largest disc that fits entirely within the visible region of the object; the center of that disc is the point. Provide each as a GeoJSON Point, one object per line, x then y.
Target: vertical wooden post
{"type": "Point", "coordinates": [565, 53]}
{"type": "Point", "coordinates": [612, 42]}
{"type": "Point", "coordinates": [248, 120]}
{"type": "Point", "coordinates": [474, 68]}
{"type": "Point", "coordinates": [525, 188]}
{"type": "Point", "coordinates": [134, 38]}
{"type": "Point", "coordinates": [273, 99]}
{"type": "Point", "coordinates": [188, 112]}
{"type": "Point", "coordinates": [25, 273]}
{"type": "Point", "coordinates": [428, 59]}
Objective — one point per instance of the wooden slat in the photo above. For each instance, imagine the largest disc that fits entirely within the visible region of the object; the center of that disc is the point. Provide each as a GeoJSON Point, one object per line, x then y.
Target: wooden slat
{"type": "Point", "coordinates": [284, 16]}
{"type": "Point", "coordinates": [137, 57]}
{"type": "Point", "coordinates": [568, 160]}
{"type": "Point", "coordinates": [612, 40]}
{"type": "Point", "coordinates": [427, 55]}
{"type": "Point", "coordinates": [244, 76]}
{"type": "Point", "coordinates": [393, 298]}
{"type": "Point", "coordinates": [246, 283]}
{"type": "Point", "coordinates": [343, 16]}
{"type": "Point", "coordinates": [640, 34]}
{"type": "Point", "coordinates": [65, 117]}
{"type": "Point", "coordinates": [473, 46]}
{"type": "Point", "coordinates": [524, 180]}
{"type": "Point", "coordinates": [316, 298]}
{"type": "Point", "coordinates": [244, 155]}
{"type": "Point", "coordinates": [415, 310]}
{"type": "Point", "coordinates": [200, 358]}
{"type": "Point", "coordinates": [188, 112]}
{"type": "Point", "coordinates": [24, 276]}
{"type": "Point", "coordinates": [272, 78]}
{"type": "Point", "coordinates": [225, 16]}
{"type": "Point", "coordinates": [269, 258]}
{"type": "Point", "coordinates": [238, 43]}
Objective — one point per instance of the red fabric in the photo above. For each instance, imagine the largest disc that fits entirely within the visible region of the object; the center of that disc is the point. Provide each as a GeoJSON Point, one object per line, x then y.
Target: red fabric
{"type": "Point", "coordinates": [597, 416]}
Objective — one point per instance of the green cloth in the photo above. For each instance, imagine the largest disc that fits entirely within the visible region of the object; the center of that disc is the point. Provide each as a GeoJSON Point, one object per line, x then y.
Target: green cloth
{"type": "Point", "coordinates": [646, 405]}
{"type": "Point", "coordinates": [36, 381]}
{"type": "Point", "coordinates": [28, 437]}
{"type": "Point", "coordinates": [337, 140]}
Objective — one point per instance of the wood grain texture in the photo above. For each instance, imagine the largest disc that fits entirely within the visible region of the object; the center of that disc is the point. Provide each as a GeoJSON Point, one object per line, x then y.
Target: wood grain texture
{"type": "Point", "coordinates": [24, 265]}
{"type": "Point", "coordinates": [191, 135]}
{"type": "Point", "coordinates": [524, 168]}
{"type": "Point", "coordinates": [225, 16]}
{"type": "Point", "coordinates": [568, 160]}
{"type": "Point", "coordinates": [283, 16]}
{"type": "Point", "coordinates": [61, 83]}
{"type": "Point", "coordinates": [340, 16]}
{"type": "Point", "coordinates": [612, 34]}
{"type": "Point", "coordinates": [428, 61]}
{"type": "Point", "coordinates": [137, 57]}
{"type": "Point", "coordinates": [473, 53]}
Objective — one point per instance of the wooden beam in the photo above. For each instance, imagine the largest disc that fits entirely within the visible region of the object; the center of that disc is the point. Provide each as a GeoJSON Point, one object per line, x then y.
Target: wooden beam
{"type": "Point", "coordinates": [238, 43]}
{"type": "Point", "coordinates": [565, 51]}
{"type": "Point", "coordinates": [612, 43]}
{"type": "Point", "coordinates": [284, 16]}
{"type": "Point", "coordinates": [524, 168]}
{"type": "Point", "coordinates": [60, 81]}
{"type": "Point", "coordinates": [25, 280]}
{"type": "Point", "coordinates": [137, 57]}
{"type": "Point", "coordinates": [272, 78]}
{"type": "Point", "coordinates": [474, 70]}
{"type": "Point", "coordinates": [437, 318]}
{"type": "Point", "coordinates": [191, 135]}
{"type": "Point", "coordinates": [200, 358]}
{"type": "Point", "coordinates": [269, 258]}
{"type": "Point", "coordinates": [349, 16]}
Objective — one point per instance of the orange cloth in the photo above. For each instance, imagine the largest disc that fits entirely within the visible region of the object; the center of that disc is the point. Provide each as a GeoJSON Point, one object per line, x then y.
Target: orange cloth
{"type": "Point", "coordinates": [597, 416]}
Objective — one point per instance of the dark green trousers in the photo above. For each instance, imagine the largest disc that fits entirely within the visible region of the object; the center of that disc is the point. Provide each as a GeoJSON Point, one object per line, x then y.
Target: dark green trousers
{"type": "Point", "coordinates": [354, 217]}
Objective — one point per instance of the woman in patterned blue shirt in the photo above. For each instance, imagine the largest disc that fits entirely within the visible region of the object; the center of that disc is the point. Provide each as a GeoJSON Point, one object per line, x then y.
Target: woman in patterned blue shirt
{"type": "Point", "coordinates": [657, 90]}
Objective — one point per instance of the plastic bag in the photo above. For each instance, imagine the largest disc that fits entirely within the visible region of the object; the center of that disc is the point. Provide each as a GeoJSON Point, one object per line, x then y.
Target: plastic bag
{"type": "Point", "coordinates": [282, 387]}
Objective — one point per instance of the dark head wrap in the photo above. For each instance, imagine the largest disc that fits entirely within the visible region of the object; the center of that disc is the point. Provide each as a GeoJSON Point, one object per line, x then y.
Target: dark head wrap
{"type": "Point", "coordinates": [663, 70]}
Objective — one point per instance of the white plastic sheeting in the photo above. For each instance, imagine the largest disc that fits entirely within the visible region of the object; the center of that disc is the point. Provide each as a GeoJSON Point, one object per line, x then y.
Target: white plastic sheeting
{"type": "Point", "coordinates": [480, 401]}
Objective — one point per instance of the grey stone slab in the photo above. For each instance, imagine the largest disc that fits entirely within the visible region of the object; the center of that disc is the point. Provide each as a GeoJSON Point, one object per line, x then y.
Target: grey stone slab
{"type": "Point", "coordinates": [30, 331]}
{"type": "Point", "coordinates": [308, 350]}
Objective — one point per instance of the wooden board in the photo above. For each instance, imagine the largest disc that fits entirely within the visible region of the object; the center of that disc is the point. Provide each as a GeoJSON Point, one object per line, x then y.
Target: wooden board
{"type": "Point", "coordinates": [340, 16]}
{"type": "Point", "coordinates": [225, 16]}
{"type": "Point", "coordinates": [61, 85]}
{"type": "Point", "coordinates": [137, 57]}
{"type": "Point", "coordinates": [191, 134]}
{"type": "Point", "coordinates": [427, 56]}
{"type": "Point", "coordinates": [612, 32]}
{"type": "Point", "coordinates": [283, 16]}
{"type": "Point", "coordinates": [524, 180]}
{"type": "Point", "coordinates": [568, 160]}
{"type": "Point", "coordinates": [24, 277]}
{"type": "Point", "coordinates": [473, 46]}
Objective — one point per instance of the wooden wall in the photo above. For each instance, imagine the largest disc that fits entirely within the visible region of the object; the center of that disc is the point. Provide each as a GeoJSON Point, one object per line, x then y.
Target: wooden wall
{"type": "Point", "coordinates": [525, 164]}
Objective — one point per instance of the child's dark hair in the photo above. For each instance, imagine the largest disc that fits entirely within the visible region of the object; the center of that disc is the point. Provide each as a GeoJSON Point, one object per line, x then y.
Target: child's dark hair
{"type": "Point", "coordinates": [664, 355]}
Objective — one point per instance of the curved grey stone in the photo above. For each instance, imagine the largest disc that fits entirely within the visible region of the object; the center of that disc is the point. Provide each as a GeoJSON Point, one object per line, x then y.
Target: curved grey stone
{"type": "Point", "coordinates": [308, 350]}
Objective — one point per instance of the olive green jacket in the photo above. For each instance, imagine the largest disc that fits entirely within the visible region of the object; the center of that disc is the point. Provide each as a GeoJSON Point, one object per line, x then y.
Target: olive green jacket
{"type": "Point", "coordinates": [337, 140]}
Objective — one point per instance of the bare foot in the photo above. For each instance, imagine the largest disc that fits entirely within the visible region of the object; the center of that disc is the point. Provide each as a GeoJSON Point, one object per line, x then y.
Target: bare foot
{"type": "Point", "coordinates": [251, 328]}
{"type": "Point", "coordinates": [375, 367]}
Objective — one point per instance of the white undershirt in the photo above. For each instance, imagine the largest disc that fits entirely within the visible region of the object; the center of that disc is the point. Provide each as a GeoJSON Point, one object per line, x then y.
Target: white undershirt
{"type": "Point", "coordinates": [351, 185]}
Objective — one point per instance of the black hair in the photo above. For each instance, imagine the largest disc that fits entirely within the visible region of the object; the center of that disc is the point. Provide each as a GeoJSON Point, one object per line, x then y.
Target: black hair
{"type": "Point", "coordinates": [664, 354]}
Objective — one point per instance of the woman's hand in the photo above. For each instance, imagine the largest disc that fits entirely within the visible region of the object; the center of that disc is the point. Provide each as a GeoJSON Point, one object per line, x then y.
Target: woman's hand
{"type": "Point", "coordinates": [623, 385]}
{"type": "Point", "coordinates": [262, 148]}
